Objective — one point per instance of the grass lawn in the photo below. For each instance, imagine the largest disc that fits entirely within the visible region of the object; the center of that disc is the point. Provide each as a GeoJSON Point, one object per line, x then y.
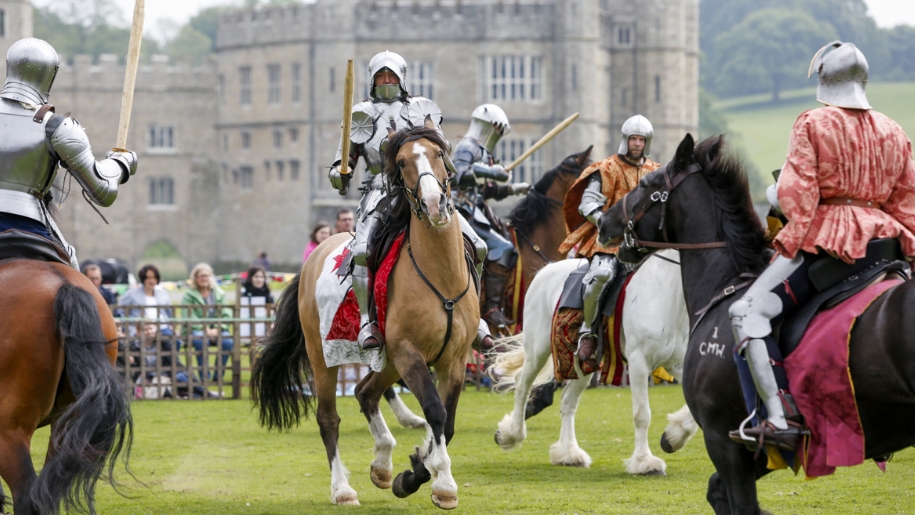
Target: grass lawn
{"type": "Point", "coordinates": [212, 458]}
{"type": "Point", "coordinates": [764, 127]}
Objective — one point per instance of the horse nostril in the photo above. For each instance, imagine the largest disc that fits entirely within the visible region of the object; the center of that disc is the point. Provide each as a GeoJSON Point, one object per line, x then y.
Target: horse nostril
{"type": "Point", "coordinates": [442, 199]}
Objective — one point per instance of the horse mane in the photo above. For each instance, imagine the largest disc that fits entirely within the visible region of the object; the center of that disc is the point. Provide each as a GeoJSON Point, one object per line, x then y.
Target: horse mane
{"type": "Point", "coordinates": [738, 223]}
{"type": "Point", "coordinates": [535, 209]}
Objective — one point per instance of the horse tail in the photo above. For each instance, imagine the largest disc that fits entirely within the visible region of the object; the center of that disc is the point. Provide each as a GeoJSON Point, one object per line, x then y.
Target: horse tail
{"type": "Point", "coordinates": [509, 361]}
{"type": "Point", "coordinates": [97, 427]}
{"type": "Point", "coordinates": [281, 375]}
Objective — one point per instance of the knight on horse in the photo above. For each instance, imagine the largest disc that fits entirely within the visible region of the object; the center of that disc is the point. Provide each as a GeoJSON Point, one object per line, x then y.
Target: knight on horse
{"type": "Point", "coordinates": [849, 178]}
{"type": "Point", "coordinates": [36, 139]}
{"type": "Point", "coordinates": [480, 177]}
{"type": "Point", "coordinates": [601, 185]}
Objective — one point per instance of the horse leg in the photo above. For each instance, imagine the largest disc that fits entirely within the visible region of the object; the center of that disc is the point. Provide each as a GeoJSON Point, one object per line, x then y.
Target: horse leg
{"type": "Point", "coordinates": [405, 417]}
{"type": "Point", "coordinates": [512, 429]}
{"type": "Point", "coordinates": [732, 489]}
{"type": "Point", "coordinates": [444, 488]}
{"type": "Point", "coordinates": [566, 451]}
{"type": "Point", "coordinates": [329, 424]}
{"type": "Point", "coordinates": [368, 393]}
{"type": "Point", "coordinates": [642, 462]}
{"type": "Point", "coordinates": [17, 470]}
{"type": "Point", "coordinates": [681, 426]}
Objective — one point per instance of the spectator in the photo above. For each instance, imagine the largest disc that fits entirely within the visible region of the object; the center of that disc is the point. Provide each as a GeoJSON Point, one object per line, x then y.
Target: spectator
{"type": "Point", "coordinates": [152, 296]}
{"type": "Point", "coordinates": [345, 221]}
{"type": "Point", "coordinates": [255, 284]}
{"type": "Point", "coordinates": [148, 348]}
{"type": "Point", "coordinates": [320, 233]}
{"type": "Point", "coordinates": [94, 273]}
{"type": "Point", "coordinates": [262, 261]}
{"type": "Point", "coordinates": [207, 296]}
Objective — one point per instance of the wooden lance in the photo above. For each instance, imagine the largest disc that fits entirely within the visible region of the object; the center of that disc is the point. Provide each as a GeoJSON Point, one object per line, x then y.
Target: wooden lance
{"type": "Point", "coordinates": [130, 76]}
{"type": "Point", "coordinates": [543, 141]}
{"type": "Point", "coordinates": [348, 86]}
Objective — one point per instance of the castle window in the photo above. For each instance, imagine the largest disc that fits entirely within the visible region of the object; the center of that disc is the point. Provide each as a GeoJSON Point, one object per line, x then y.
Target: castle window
{"type": "Point", "coordinates": [293, 134]}
{"type": "Point", "coordinates": [161, 137]}
{"type": "Point", "coordinates": [515, 78]}
{"type": "Point", "coordinates": [574, 77]}
{"type": "Point", "coordinates": [421, 77]}
{"type": "Point", "coordinates": [161, 191]}
{"type": "Point", "coordinates": [244, 85]}
{"type": "Point", "coordinates": [296, 83]}
{"type": "Point", "coordinates": [294, 170]}
{"type": "Point", "coordinates": [657, 88]}
{"type": "Point", "coordinates": [2, 23]}
{"type": "Point", "coordinates": [277, 138]}
{"type": "Point", "coordinates": [222, 90]}
{"type": "Point", "coordinates": [245, 139]}
{"type": "Point", "coordinates": [528, 171]}
{"type": "Point", "coordinates": [273, 84]}
{"type": "Point", "coordinates": [246, 177]}
{"type": "Point", "coordinates": [225, 142]}
{"type": "Point", "coordinates": [625, 97]}
{"type": "Point", "coordinates": [624, 35]}
{"type": "Point", "coordinates": [332, 74]}
{"type": "Point", "coordinates": [267, 169]}
{"type": "Point", "coordinates": [279, 170]}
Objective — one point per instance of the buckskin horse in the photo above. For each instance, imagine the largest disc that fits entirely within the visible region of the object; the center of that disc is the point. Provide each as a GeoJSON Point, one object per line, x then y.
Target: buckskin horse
{"type": "Point", "coordinates": [709, 216]}
{"type": "Point", "coordinates": [57, 351]}
{"type": "Point", "coordinates": [432, 317]}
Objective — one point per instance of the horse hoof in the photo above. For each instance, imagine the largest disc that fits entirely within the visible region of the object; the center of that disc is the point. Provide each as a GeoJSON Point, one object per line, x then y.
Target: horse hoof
{"type": "Point", "coordinates": [347, 500]}
{"type": "Point", "coordinates": [665, 444]}
{"type": "Point", "coordinates": [381, 478]}
{"type": "Point", "coordinates": [496, 437]}
{"type": "Point", "coordinates": [397, 487]}
{"type": "Point", "coordinates": [445, 501]}
{"type": "Point", "coordinates": [655, 473]}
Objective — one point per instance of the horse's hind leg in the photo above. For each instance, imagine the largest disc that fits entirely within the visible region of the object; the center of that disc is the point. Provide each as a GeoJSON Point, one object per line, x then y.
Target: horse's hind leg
{"type": "Point", "coordinates": [329, 425]}
{"type": "Point", "coordinates": [368, 393]}
{"type": "Point", "coordinates": [733, 491]}
{"type": "Point", "coordinates": [566, 450]}
{"type": "Point", "coordinates": [641, 462]}
{"type": "Point", "coordinates": [405, 417]}
{"type": "Point", "coordinates": [17, 470]}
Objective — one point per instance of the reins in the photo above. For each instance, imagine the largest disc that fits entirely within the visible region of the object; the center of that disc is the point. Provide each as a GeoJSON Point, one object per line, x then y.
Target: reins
{"type": "Point", "coordinates": [535, 248]}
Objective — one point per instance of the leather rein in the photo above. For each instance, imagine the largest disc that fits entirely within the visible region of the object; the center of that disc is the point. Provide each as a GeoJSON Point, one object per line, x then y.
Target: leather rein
{"type": "Point", "coordinates": [630, 237]}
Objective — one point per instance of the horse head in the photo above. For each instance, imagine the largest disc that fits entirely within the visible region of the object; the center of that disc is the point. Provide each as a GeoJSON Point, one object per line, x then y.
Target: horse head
{"type": "Point", "coordinates": [416, 165]}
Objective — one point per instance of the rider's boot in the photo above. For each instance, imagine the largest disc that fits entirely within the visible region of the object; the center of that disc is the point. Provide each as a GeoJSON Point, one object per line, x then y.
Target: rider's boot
{"type": "Point", "coordinates": [493, 283]}
{"type": "Point", "coordinates": [370, 337]}
{"type": "Point", "coordinates": [483, 342]}
{"type": "Point", "coordinates": [783, 428]}
{"type": "Point", "coordinates": [602, 271]}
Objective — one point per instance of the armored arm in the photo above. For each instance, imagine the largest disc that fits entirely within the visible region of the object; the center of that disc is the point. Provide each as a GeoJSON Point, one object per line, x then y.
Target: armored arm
{"type": "Point", "coordinates": [338, 180]}
{"type": "Point", "coordinates": [592, 200]}
{"type": "Point", "coordinates": [100, 179]}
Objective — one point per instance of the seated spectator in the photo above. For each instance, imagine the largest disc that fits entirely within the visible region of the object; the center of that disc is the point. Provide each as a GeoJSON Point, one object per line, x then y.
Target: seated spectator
{"type": "Point", "coordinates": [262, 261]}
{"type": "Point", "coordinates": [205, 297]}
{"type": "Point", "coordinates": [152, 296]}
{"type": "Point", "coordinates": [318, 234]}
{"type": "Point", "coordinates": [255, 285]}
{"type": "Point", "coordinates": [94, 273]}
{"type": "Point", "coordinates": [149, 350]}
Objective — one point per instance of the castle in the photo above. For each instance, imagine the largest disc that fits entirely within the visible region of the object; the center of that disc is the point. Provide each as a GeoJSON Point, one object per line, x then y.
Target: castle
{"type": "Point", "coordinates": [234, 153]}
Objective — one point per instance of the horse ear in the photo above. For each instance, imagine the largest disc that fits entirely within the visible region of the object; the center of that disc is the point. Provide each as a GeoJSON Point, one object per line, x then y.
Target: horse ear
{"type": "Point", "coordinates": [428, 123]}
{"type": "Point", "coordinates": [684, 155]}
{"type": "Point", "coordinates": [584, 156]}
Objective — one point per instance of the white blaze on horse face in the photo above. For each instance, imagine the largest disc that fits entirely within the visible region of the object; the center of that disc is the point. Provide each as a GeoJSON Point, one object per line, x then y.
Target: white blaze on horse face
{"type": "Point", "coordinates": [431, 191]}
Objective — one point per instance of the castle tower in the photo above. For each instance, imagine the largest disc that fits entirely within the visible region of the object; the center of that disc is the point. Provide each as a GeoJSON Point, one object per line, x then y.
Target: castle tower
{"type": "Point", "coordinates": [15, 24]}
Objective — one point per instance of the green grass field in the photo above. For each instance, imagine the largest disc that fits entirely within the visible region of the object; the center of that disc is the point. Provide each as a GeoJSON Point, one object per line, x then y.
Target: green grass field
{"type": "Point", "coordinates": [763, 128]}
{"type": "Point", "coordinates": [212, 458]}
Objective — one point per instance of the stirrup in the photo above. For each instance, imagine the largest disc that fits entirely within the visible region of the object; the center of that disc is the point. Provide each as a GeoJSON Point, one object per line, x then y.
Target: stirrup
{"type": "Point", "coordinates": [581, 337]}
{"type": "Point", "coordinates": [496, 317]}
{"type": "Point", "coordinates": [367, 334]}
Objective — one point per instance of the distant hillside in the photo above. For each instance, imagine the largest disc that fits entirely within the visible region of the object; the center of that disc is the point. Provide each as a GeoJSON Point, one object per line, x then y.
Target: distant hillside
{"type": "Point", "coordinates": [763, 127]}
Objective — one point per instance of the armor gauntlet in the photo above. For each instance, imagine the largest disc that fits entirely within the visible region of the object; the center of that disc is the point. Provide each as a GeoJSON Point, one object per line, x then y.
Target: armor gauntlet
{"type": "Point", "coordinates": [495, 173]}
{"type": "Point", "coordinates": [100, 179]}
{"type": "Point", "coordinates": [337, 180]}
{"type": "Point", "coordinates": [592, 200]}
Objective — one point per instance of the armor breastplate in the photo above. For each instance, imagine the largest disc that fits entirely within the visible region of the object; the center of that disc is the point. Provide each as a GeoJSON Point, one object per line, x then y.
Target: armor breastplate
{"type": "Point", "coordinates": [26, 164]}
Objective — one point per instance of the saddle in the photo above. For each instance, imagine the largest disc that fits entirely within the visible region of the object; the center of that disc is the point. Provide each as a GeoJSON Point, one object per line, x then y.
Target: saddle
{"type": "Point", "coordinates": [837, 281]}
{"type": "Point", "coordinates": [574, 288]}
{"type": "Point", "coordinates": [16, 244]}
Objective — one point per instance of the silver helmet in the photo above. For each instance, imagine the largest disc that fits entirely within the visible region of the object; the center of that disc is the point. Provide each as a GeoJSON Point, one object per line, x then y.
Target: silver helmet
{"type": "Point", "coordinates": [842, 72]}
{"type": "Point", "coordinates": [31, 65]}
{"type": "Point", "coordinates": [395, 63]}
{"type": "Point", "coordinates": [638, 125]}
{"type": "Point", "coordinates": [488, 124]}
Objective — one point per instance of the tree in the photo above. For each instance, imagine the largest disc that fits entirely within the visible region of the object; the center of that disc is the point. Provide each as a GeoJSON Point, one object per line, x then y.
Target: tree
{"type": "Point", "coordinates": [712, 120]}
{"type": "Point", "coordinates": [769, 50]}
{"type": "Point", "coordinates": [190, 44]}
{"type": "Point", "coordinates": [901, 46]}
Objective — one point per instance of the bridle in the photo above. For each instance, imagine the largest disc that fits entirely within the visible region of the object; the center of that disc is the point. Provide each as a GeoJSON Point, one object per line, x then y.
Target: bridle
{"type": "Point", "coordinates": [413, 194]}
{"type": "Point", "coordinates": [672, 180]}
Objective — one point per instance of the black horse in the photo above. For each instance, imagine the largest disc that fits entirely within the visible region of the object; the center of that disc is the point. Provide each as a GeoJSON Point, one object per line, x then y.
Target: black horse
{"type": "Point", "coordinates": [712, 204]}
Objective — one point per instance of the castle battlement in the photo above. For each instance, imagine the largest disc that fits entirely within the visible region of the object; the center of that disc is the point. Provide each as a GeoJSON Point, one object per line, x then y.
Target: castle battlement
{"type": "Point", "coordinates": [155, 74]}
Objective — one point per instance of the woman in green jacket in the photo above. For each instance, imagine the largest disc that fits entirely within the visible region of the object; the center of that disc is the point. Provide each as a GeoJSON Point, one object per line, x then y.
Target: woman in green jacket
{"type": "Point", "coordinates": [206, 294]}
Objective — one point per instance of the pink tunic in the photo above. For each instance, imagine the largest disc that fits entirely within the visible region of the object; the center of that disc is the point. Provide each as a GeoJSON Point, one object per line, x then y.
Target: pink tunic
{"type": "Point", "coordinates": [846, 153]}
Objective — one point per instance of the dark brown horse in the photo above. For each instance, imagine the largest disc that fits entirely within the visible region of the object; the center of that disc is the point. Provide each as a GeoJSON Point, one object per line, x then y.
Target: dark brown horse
{"type": "Point", "coordinates": [433, 315]}
{"type": "Point", "coordinates": [712, 204]}
{"type": "Point", "coordinates": [57, 350]}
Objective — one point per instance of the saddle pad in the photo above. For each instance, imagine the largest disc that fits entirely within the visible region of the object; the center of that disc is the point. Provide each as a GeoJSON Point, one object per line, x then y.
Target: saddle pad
{"type": "Point", "coordinates": [821, 385]}
{"type": "Point", "coordinates": [338, 311]}
{"type": "Point", "coordinates": [16, 244]}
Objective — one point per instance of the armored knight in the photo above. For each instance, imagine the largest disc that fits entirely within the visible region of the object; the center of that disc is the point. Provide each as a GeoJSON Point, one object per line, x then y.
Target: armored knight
{"type": "Point", "coordinates": [866, 187]}
{"type": "Point", "coordinates": [389, 105]}
{"type": "Point", "coordinates": [600, 186]}
{"type": "Point", "coordinates": [36, 139]}
{"type": "Point", "coordinates": [479, 178]}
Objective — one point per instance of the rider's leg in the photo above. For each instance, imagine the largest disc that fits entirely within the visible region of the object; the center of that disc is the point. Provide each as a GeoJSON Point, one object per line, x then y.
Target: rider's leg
{"type": "Point", "coordinates": [367, 222]}
{"type": "Point", "coordinates": [478, 244]}
{"type": "Point", "coordinates": [781, 288]}
{"type": "Point", "coordinates": [500, 261]}
{"type": "Point", "coordinates": [603, 270]}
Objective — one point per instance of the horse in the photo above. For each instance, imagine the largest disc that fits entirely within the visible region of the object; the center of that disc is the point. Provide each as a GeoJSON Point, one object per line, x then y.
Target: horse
{"type": "Point", "coordinates": [539, 229]}
{"type": "Point", "coordinates": [654, 333]}
{"type": "Point", "coordinates": [703, 195]}
{"type": "Point", "coordinates": [57, 354]}
{"type": "Point", "coordinates": [432, 318]}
